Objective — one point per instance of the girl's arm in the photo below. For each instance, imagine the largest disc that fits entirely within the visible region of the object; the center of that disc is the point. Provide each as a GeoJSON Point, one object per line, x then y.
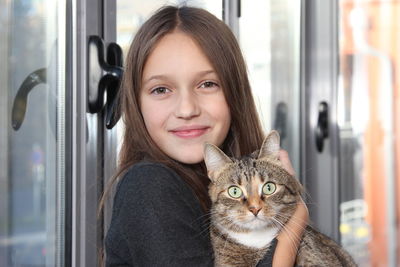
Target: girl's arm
{"type": "Point", "coordinates": [289, 239]}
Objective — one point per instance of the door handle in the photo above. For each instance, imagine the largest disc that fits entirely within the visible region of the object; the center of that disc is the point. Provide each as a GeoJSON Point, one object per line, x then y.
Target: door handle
{"type": "Point", "coordinates": [322, 129]}
{"type": "Point", "coordinates": [104, 75]}
{"type": "Point", "coordinates": [40, 76]}
{"type": "Point", "coordinates": [21, 99]}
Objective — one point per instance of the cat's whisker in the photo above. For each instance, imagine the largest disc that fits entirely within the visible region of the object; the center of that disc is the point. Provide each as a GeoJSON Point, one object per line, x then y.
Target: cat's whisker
{"type": "Point", "coordinates": [293, 218]}
{"type": "Point", "coordinates": [282, 227]}
{"type": "Point", "coordinates": [283, 224]}
{"type": "Point", "coordinates": [224, 248]}
{"type": "Point", "coordinates": [206, 230]}
{"type": "Point", "coordinates": [221, 220]}
{"type": "Point", "coordinates": [208, 214]}
{"type": "Point", "coordinates": [218, 220]}
{"type": "Point", "coordinates": [204, 223]}
{"type": "Point", "coordinates": [231, 225]}
{"type": "Point", "coordinates": [203, 220]}
{"type": "Point", "coordinates": [291, 235]}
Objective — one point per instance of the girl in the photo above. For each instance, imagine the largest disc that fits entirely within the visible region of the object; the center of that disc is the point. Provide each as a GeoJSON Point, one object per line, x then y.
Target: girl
{"type": "Point", "coordinates": [185, 83]}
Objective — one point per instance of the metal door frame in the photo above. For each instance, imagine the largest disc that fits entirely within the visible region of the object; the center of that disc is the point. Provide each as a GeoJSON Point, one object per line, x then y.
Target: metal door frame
{"type": "Point", "coordinates": [319, 78]}
{"type": "Point", "coordinates": [92, 144]}
{"type": "Point", "coordinates": [4, 124]}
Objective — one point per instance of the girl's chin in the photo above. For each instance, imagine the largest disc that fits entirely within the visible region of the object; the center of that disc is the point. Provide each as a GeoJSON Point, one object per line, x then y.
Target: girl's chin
{"type": "Point", "coordinates": [188, 154]}
{"type": "Point", "coordinates": [188, 158]}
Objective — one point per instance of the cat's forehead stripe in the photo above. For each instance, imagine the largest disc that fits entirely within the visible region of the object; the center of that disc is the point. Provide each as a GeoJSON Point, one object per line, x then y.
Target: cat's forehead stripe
{"type": "Point", "coordinates": [240, 165]}
{"type": "Point", "coordinates": [262, 177]}
{"type": "Point", "coordinates": [246, 176]}
{"type": "Point", "coordinates": [239, 181]}
{"type": "Point", "coordinates": [247, 168]}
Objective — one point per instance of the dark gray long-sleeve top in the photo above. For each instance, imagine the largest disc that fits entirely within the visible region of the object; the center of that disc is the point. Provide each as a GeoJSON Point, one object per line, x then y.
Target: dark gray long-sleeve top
{"type": "Point", "coordinates": [158, 221]}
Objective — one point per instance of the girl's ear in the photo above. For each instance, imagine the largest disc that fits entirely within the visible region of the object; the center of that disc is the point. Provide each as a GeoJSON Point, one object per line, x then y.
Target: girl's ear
{"type": "Point", "coordinates": [270, 147]}
{"type": "Point", "coordinates": [215, 160]}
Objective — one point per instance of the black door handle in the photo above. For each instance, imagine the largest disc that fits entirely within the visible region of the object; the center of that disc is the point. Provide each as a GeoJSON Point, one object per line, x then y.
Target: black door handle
{"type": "Point", "coordinates": [322, 129]}
{"type": "Point", "coordinates": [21, 99]}
{"type": "Point", "coordinates": [41, 76]}
{"type": "Point", "coordinates": [104, 75]}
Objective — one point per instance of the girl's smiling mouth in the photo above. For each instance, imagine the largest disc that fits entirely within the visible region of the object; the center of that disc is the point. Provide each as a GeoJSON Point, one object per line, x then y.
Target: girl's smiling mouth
{"type": "Point", "coordinates": [192, 131]}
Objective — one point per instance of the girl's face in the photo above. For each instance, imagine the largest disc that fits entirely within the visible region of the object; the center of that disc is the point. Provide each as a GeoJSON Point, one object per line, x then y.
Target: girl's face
{"type": "Point", "coordinates": [181, 99]}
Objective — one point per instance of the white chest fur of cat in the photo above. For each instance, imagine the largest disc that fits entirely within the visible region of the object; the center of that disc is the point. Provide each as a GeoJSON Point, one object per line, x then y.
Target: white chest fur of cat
{"type": "Point", "coordinates": [254, 239]}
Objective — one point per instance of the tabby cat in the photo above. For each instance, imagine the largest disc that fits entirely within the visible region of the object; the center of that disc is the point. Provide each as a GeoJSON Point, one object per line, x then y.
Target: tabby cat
{"type": "Point", "coordinates": [252, 199]}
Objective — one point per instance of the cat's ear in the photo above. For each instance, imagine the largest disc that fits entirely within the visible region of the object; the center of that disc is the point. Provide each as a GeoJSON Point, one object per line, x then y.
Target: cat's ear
{"type": "Point", "coordinates": [270, 147]}
{"type": "Point", "coordinates": [214, 159]}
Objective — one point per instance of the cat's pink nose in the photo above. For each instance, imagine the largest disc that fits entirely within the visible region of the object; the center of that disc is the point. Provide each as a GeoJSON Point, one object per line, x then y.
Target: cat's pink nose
{"type": "Point", "coordinates": [254, 210]}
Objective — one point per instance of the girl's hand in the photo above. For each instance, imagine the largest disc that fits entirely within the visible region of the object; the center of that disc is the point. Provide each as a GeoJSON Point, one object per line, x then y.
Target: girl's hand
{"type": "Point", "coordinates": [284, 158]}
{"type": "Point", "coordinates": [289, 239]}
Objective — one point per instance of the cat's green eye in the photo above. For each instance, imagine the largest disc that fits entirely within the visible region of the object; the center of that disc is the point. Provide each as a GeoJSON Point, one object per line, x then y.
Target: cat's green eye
{"type": "Point", "coordinates": [235, 192]}
{"type": "Point", "coordinates": [269, 188]}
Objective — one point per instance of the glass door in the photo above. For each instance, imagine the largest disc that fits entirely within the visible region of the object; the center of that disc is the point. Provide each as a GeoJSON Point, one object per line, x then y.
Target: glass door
{"type": "Point", "coordinates": [33, 133]}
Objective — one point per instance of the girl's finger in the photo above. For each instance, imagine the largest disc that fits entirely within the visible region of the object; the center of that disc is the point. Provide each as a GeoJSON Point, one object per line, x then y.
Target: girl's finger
{"type": "Point", "coordinates": [284, 158]}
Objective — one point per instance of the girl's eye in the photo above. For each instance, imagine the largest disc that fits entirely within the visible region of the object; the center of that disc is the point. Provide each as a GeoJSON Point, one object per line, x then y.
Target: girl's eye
{"type": "Point", "coordinates": [208, 84]}
{"type": "Point", "coordinates": [235, 192]}
{"type": "Point", "coordinates": [160, 90]}
{"type": "Point", "coordinates": [269, 188]}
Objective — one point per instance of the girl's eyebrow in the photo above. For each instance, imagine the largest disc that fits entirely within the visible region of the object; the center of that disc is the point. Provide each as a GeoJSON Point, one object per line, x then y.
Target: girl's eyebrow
{"type": "Point", "coordinates": [204, 73]}
{"type": "Point", "coordinates": [156, 77]}
{"type": "Point", "coordinates": [165, 77]}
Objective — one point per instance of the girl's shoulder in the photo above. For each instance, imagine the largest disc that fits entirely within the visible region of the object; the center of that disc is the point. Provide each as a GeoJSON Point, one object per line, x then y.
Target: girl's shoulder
{"type": "Point", "coordinates": [155, 187]}
{"type": "Point", "coordinates": [148, 167]}
{"type": "Point", "coordinates": [149, 175]}
{"type": "Point", "coordinates": [146, 180]}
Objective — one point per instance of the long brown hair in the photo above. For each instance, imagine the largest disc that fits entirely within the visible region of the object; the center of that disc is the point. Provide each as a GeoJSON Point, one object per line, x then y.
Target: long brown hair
{"type": "Point", "coordinates": [221, 48]}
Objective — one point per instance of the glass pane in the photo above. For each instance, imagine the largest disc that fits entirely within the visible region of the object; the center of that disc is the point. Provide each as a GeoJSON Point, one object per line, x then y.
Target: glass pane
{"type": "Point", "coordinates": [369, 121]}
{"type": "Point", "coordinates": [270, 40]}
{"type": "Point", "coordinates": [32, 132]}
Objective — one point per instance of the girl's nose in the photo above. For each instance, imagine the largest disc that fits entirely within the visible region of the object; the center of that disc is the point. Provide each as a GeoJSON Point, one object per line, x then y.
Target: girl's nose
{"type": "Point", "coordinates": [187, 106]}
